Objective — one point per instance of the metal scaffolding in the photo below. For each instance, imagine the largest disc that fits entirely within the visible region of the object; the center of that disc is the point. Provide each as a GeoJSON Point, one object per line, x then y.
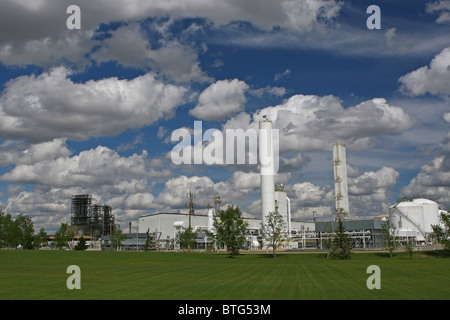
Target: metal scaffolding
{"type": "Point", "coordinates": [81, 211]}
{"type": "Point", "coordinates": [88, 219]}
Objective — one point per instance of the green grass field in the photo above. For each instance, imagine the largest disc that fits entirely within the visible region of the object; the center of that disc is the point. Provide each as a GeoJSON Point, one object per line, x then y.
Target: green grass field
{"type": "Point", "coordinates": [174, 276]}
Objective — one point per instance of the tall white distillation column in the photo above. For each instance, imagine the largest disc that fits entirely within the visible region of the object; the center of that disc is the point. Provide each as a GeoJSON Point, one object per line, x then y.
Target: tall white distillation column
{"type": "Point", "coordinates": [266, 158]}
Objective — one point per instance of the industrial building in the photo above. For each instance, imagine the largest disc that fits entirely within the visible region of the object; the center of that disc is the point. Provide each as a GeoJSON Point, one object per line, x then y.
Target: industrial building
{"type": "Point", "coordinates": [90, 220]}
{"type": "Point", "coordinates": [167, 226]}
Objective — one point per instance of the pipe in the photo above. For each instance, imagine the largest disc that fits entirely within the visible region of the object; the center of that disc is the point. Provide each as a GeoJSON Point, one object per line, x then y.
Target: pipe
{"type": "Point", "coordinates": [289, 216]}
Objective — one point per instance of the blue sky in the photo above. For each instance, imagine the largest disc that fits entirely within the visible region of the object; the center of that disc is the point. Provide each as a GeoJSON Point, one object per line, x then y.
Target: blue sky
{"type": "Point", "coordinates": [92, 110]}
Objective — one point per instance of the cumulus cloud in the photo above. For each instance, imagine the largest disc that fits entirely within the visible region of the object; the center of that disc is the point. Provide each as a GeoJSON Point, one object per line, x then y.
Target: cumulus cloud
{"type": "Point", "coordinates": [306, 15]}
{"type": "Point", "coordinates": [220, 100]}
{"type": "Point", "coordinates": [432, 79]}
{"type": "Point", "coordinates": [174, 194]}
{"type": "Point", "coordinates": [41, 38]}
{"type": "Point", "coordinates": [95, 167]}
{"type": "Point", "coordinates": [236, 188]}
{"type": "Point", "coordinates": [12, 152]}
{"type": "Point", "coordinates": [48, 208]}
{"type": "Point", "coordinates": [313, 123]}
{"type": "Point", "coordinates": [48, 106]}
{"type": "Point", "coordinates": [128, 46]}
{"type": "Point", "coordinates": [366, 183]}
{"type": "Point", "coordinates": [368, 195]}
{"type": "Point", "coordinates": [434, 177]}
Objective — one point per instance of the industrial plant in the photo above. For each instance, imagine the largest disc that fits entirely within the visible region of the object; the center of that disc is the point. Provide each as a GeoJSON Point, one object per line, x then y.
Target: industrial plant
{"type": "Point", "coordinates": [411, 218]}
{"type": "Point", "coordinates": [90, 220]}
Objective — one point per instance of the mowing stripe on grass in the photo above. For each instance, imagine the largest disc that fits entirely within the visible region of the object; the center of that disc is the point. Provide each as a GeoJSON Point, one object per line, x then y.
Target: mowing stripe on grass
{"type": "Point", "coordinates": [174, 276]}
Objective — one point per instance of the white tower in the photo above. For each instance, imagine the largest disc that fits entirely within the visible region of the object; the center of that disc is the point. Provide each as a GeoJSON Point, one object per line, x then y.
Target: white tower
{"type": "Point", "coordinates": [340, 179]}
{"type": "Point", "coordinates": [266, 158]}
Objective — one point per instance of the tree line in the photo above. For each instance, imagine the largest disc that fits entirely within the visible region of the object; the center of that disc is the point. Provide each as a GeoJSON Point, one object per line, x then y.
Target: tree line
{"type": "Point", "coordinates": [19, 233]}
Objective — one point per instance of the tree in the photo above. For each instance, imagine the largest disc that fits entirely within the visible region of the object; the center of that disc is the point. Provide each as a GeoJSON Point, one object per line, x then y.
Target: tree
{"type": "Point", "coordinates": [117, 238]}
{"type": "Point", "coordinates": [81, 245]}
{"type": "Point", "coordinates": [7, 231]}
{"type": "Point", "coordinates": [187, 238]}
{"type": "Point", "coordinates": [340, 246]}
{"type": "Point", "coordinates": [40, 239]}
{"type": "Point", "coordinates": [272, 231]}
{"type": "Point", "coordinates": [25, 230]}
{"type": "Point", "coordinates": [231, 229]}
{"type": "Point", "coordinates": [62, 236]}
{"type": "Point", "coordinates": [409, 247]}
{"type": "Point", "coordinates": [389, 237]}
{"type": "Point", "coordinates": [442, 233]}
{"type": "Point", "coordinates": [16, 232]}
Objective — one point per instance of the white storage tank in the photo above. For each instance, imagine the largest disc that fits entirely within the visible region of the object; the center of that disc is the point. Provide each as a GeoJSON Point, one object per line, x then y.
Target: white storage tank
{"type": "Point", "coordinates": [414, 218]}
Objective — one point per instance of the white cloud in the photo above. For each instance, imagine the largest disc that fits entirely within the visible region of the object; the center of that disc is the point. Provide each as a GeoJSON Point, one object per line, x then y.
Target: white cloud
{"type": "Point", "coordinates": [231, 191]}
{"type": "Point", "coordinates": [220, 100]}
{"type": "Point", "coordinates": [95, 167]}
{"type": "Point", "coordinates": [309, 194]}
{"type": "Point", "coordinates": [48, 106]}
{"type": "Point", "coordinates": [442, 7]}
{"type": "Point", "coordinates": [433, 180]}
{"type": "Point", "coordinates": [176, 189]}
{"type": "Point", "coordinates": [15, 153]}
{"type": "Point", "coordinates": [282, 75]}
{"type": "Point", "coordinates": [366, 183]}
{"type": "Point", "coordinates": [303, 16]}
{"type": "Point", "coordinates": [368, 195]}
{"type": "Point", "coordinates": [313, 123]}
{"type": "Point", "coordinates": [41, 37]}
{"type": "Point", "coordinates": [433, 79]}
{"type": "Point", "coordinates": [246, 180]}
{"type": "Point", "coordinates": [447, 117]}
{"type": "Point", "coordinates": [48, 208]}
{"type": "Point", "coordinates": [129, 47]}
{"type": "Point", "coordinates": [307, 197]}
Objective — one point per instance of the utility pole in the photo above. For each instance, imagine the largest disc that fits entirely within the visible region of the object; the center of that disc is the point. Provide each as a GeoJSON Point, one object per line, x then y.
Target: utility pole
{"type": "Point", "coordinates": [191, 212]}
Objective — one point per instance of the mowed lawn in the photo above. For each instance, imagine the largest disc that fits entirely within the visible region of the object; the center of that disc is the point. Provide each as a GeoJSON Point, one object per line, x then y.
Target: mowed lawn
{"type": "Point", "coordinates": [181, 276]}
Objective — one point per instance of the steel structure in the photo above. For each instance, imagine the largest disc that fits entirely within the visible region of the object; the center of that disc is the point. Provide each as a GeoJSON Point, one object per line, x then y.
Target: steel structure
{"type": "Point", "coordinates": [88, 219]}
{"type": "Point", "coordinates": [340, 180]}
{"type": "Point", "coordinates": [81, 211]}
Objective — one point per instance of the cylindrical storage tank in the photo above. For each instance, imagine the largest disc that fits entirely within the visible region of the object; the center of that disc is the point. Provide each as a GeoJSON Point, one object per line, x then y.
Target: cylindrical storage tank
{"type": "Point", "coordinates": [430, 213]}
{"type": "Point", "coordinates": [414, 218]}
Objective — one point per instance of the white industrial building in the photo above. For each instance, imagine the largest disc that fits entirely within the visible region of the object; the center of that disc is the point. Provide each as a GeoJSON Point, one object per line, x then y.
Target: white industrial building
{"type": "Point", "coordinates": [166, 226]}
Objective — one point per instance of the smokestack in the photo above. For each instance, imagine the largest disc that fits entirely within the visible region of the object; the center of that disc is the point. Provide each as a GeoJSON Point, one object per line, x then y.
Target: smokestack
{"type": "Point", "coordinates": [340, 179]}
{"type": "Point", "coordinates": [266, 158]}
